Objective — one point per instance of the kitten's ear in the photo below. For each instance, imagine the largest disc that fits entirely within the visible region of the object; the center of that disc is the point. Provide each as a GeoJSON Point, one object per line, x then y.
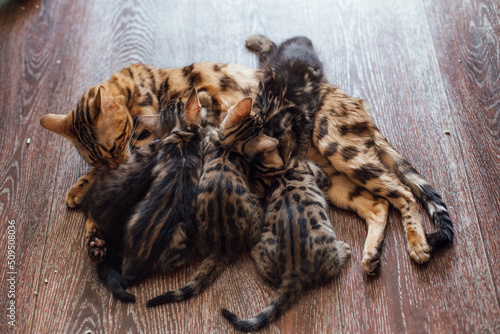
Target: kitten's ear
{"type": "Point", "coordinates": [148, 122]}
{"type": "Point", "coordinates": [59, 124]}
{"type": "Point", "coordinates": [193, 108]}
{"type": "Point", "coordinates": [238, 113]}
{"type": "Point", "coordinates": [105, 106]}
{"type": "Point", "coordinates": [261, 144]}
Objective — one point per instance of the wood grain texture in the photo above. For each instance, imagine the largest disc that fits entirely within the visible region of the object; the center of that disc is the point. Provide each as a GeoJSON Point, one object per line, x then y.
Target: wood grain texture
{"type": "Point", "coordinates": [403, 59]}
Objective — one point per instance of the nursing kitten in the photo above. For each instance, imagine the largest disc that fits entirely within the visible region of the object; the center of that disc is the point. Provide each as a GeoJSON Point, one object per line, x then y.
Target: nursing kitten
{"type": "Point", "coordinates": [229, 216]}
{"type": "Point", "coordinates": [349, 146]}
{"type": "Point", "coordinates": [145, 209]}
{"type": "Point", "coordinates": [297, 247]}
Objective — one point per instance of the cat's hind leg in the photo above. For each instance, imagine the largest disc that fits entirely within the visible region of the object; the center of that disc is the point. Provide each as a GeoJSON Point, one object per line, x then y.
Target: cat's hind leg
{"type": "Point", "coordinates": [347, 195]}
{"type": "Point", "coordinates": [343, 134]}
{"type": "Point", "coordinates": [96, 245]}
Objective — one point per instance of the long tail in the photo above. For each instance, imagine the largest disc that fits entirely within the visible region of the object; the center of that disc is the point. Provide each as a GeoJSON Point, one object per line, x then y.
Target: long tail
{"type": "Point", "coordinates": [209, 270]}
{"type": "Point", "coordinates": [287, 294]}
{"type": "Point", "coordinates": [431, 199]}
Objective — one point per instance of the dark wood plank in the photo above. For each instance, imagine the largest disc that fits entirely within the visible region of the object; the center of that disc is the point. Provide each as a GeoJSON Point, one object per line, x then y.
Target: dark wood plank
{"type": "Point", "coordinates": [33, 83]}
{"type": "Point", "coordinates": [466, 38]}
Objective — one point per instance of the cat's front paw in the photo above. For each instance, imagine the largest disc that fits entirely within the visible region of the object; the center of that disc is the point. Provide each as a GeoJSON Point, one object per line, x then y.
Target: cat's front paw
{"type": "Point", "coordinates": [419, 250]}
{"type": "Point", "coordinates": [96, 246]}
{"type": "Point", "coordinates": [74, 196]}
{"type": "Point", "coordinates": [371, 262]}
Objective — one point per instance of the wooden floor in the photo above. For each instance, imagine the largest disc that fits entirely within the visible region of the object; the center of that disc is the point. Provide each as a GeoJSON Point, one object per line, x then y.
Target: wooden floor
{"type": "Point", "coordinates": [425, 67]}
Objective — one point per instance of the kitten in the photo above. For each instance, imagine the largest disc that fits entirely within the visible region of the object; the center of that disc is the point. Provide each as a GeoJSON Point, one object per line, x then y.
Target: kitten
{"type": "Point", "coordinates": [145, 208]}
{"type": "Point", "coordinates": [297, 247]}
{"type": "Point", "coordinates": [229, 216]}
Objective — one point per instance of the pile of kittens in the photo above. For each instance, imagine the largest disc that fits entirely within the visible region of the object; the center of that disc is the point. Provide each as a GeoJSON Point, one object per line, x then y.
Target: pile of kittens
{"type": "Point", "coordinates": [215, 188]}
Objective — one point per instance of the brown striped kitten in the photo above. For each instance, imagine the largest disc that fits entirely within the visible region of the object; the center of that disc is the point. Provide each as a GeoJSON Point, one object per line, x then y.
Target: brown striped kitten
{"type": "Point", "coordinates": [366, 170]}
{"type": "Point", "coordinates": [229, 216]}
{"type": "Point", "coordinates": [145, 209]}
{"type": "Point", "coordinates": [297, 247]}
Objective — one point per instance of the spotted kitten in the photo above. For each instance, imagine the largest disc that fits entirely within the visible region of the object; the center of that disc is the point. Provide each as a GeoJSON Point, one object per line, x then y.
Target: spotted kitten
{"type": "Point", "coordinates": [145, 209]}
{"type": "Point", "coordinates": [229, 216]}
{"type": "Point", "coordinates": [297, 247]}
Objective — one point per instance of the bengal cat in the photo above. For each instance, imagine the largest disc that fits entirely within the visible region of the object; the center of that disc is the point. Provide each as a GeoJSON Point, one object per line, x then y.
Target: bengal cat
{"type": "Point", "coordinates": [229, 216]}
{"type": "Point", "coordinates": [145, 208]}
{"type": "Point", "coordinates": [297, 247]}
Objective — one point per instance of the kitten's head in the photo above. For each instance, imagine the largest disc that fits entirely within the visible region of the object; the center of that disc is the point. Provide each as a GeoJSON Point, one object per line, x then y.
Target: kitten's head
{"type": "Point", "coordinates": [179, 120]}
{"type": "Point", "coordinates": [99, 127]}
{"type": "Point", "coordinates": [243, 133]}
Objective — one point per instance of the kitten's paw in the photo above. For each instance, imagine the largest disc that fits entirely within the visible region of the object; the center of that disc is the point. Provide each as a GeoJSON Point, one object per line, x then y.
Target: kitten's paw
{"type": "Point", "coordinates": [371, 262]}
{"type": "Point", "coordinates": [74, 197]}
{"type": "Point", "coordinates": [96, 246]}
{"type": "Point", "coordinates": [343, 247]}
{"type": "Point", "coordinates": [419, 251]}
{"type": "Point", "coordinates": [259, 44]}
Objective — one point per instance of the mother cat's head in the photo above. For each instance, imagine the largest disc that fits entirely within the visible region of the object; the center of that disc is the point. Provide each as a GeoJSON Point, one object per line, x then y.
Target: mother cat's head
{"type": "Point", "coordinates": [100, 127]}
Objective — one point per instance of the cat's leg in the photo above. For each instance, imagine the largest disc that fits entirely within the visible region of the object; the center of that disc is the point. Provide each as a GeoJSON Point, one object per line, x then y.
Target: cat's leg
{"type": "Point", "coordinates": [74, 196]}
{"type": "Point", "coordinates": [261, 46]}
{"type": "Point", "coordinates": [347, 195]}
{"type": "Point", "coordinates": [345, 149]}
{"type": "Point", "coordinates": [96, 246]}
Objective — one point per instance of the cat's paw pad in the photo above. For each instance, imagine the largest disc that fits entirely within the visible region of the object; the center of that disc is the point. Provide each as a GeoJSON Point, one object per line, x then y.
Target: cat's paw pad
{"type": "Point", "coordinates": [371, 262]}
{"type": "Point", "coordinates": [96, 246]}
{"type": "Point", "coordinates": [419, 251]}
{"type": "Point", "coordinates": [259, 43]}
{"type": "Point", "coordinates": [74, 196]}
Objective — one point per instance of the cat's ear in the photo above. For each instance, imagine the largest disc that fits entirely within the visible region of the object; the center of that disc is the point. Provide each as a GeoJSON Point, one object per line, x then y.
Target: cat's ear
{"type": "Point", "coordinates": [59, 124]}
{"type": "Point", "coordinates": [193, 108]}
{"type": "Point", "coordinates": [148, 122]}
{"type": "Point", "coordinates": [260, 144]}
{"type": "Point", "coordinates": [238, 113]}
{"type": "Point", "coordinates": [105, 106]}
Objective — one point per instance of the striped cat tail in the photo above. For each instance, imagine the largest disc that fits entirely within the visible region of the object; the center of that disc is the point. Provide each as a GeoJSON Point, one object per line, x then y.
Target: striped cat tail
{"type": "Point", "coordinates": [431, 199]}
{"type": "Point", "coordinates": [209, 270]}
{"type": "Point", "coordinates": [287, 294]}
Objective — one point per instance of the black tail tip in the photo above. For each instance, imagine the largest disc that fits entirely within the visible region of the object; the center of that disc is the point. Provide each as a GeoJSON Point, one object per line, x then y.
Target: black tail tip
{"type": "Point", "coordinates": [160, 300]}
{"type": "Point", "coordinates": [229, 315]}
{"type": "Point", "coordinates": [444, 234]}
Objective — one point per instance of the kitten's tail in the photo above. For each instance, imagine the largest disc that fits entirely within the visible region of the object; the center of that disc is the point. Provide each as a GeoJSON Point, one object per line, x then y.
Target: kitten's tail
{"type": "Point", "coordinates": [209, 270]}
{"type": "Point", "coordinates": [109, 274]}
{"type": "Point", "coordinates": [431, 199]}
{"type": "Point", "coordinates": [287, 294]}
